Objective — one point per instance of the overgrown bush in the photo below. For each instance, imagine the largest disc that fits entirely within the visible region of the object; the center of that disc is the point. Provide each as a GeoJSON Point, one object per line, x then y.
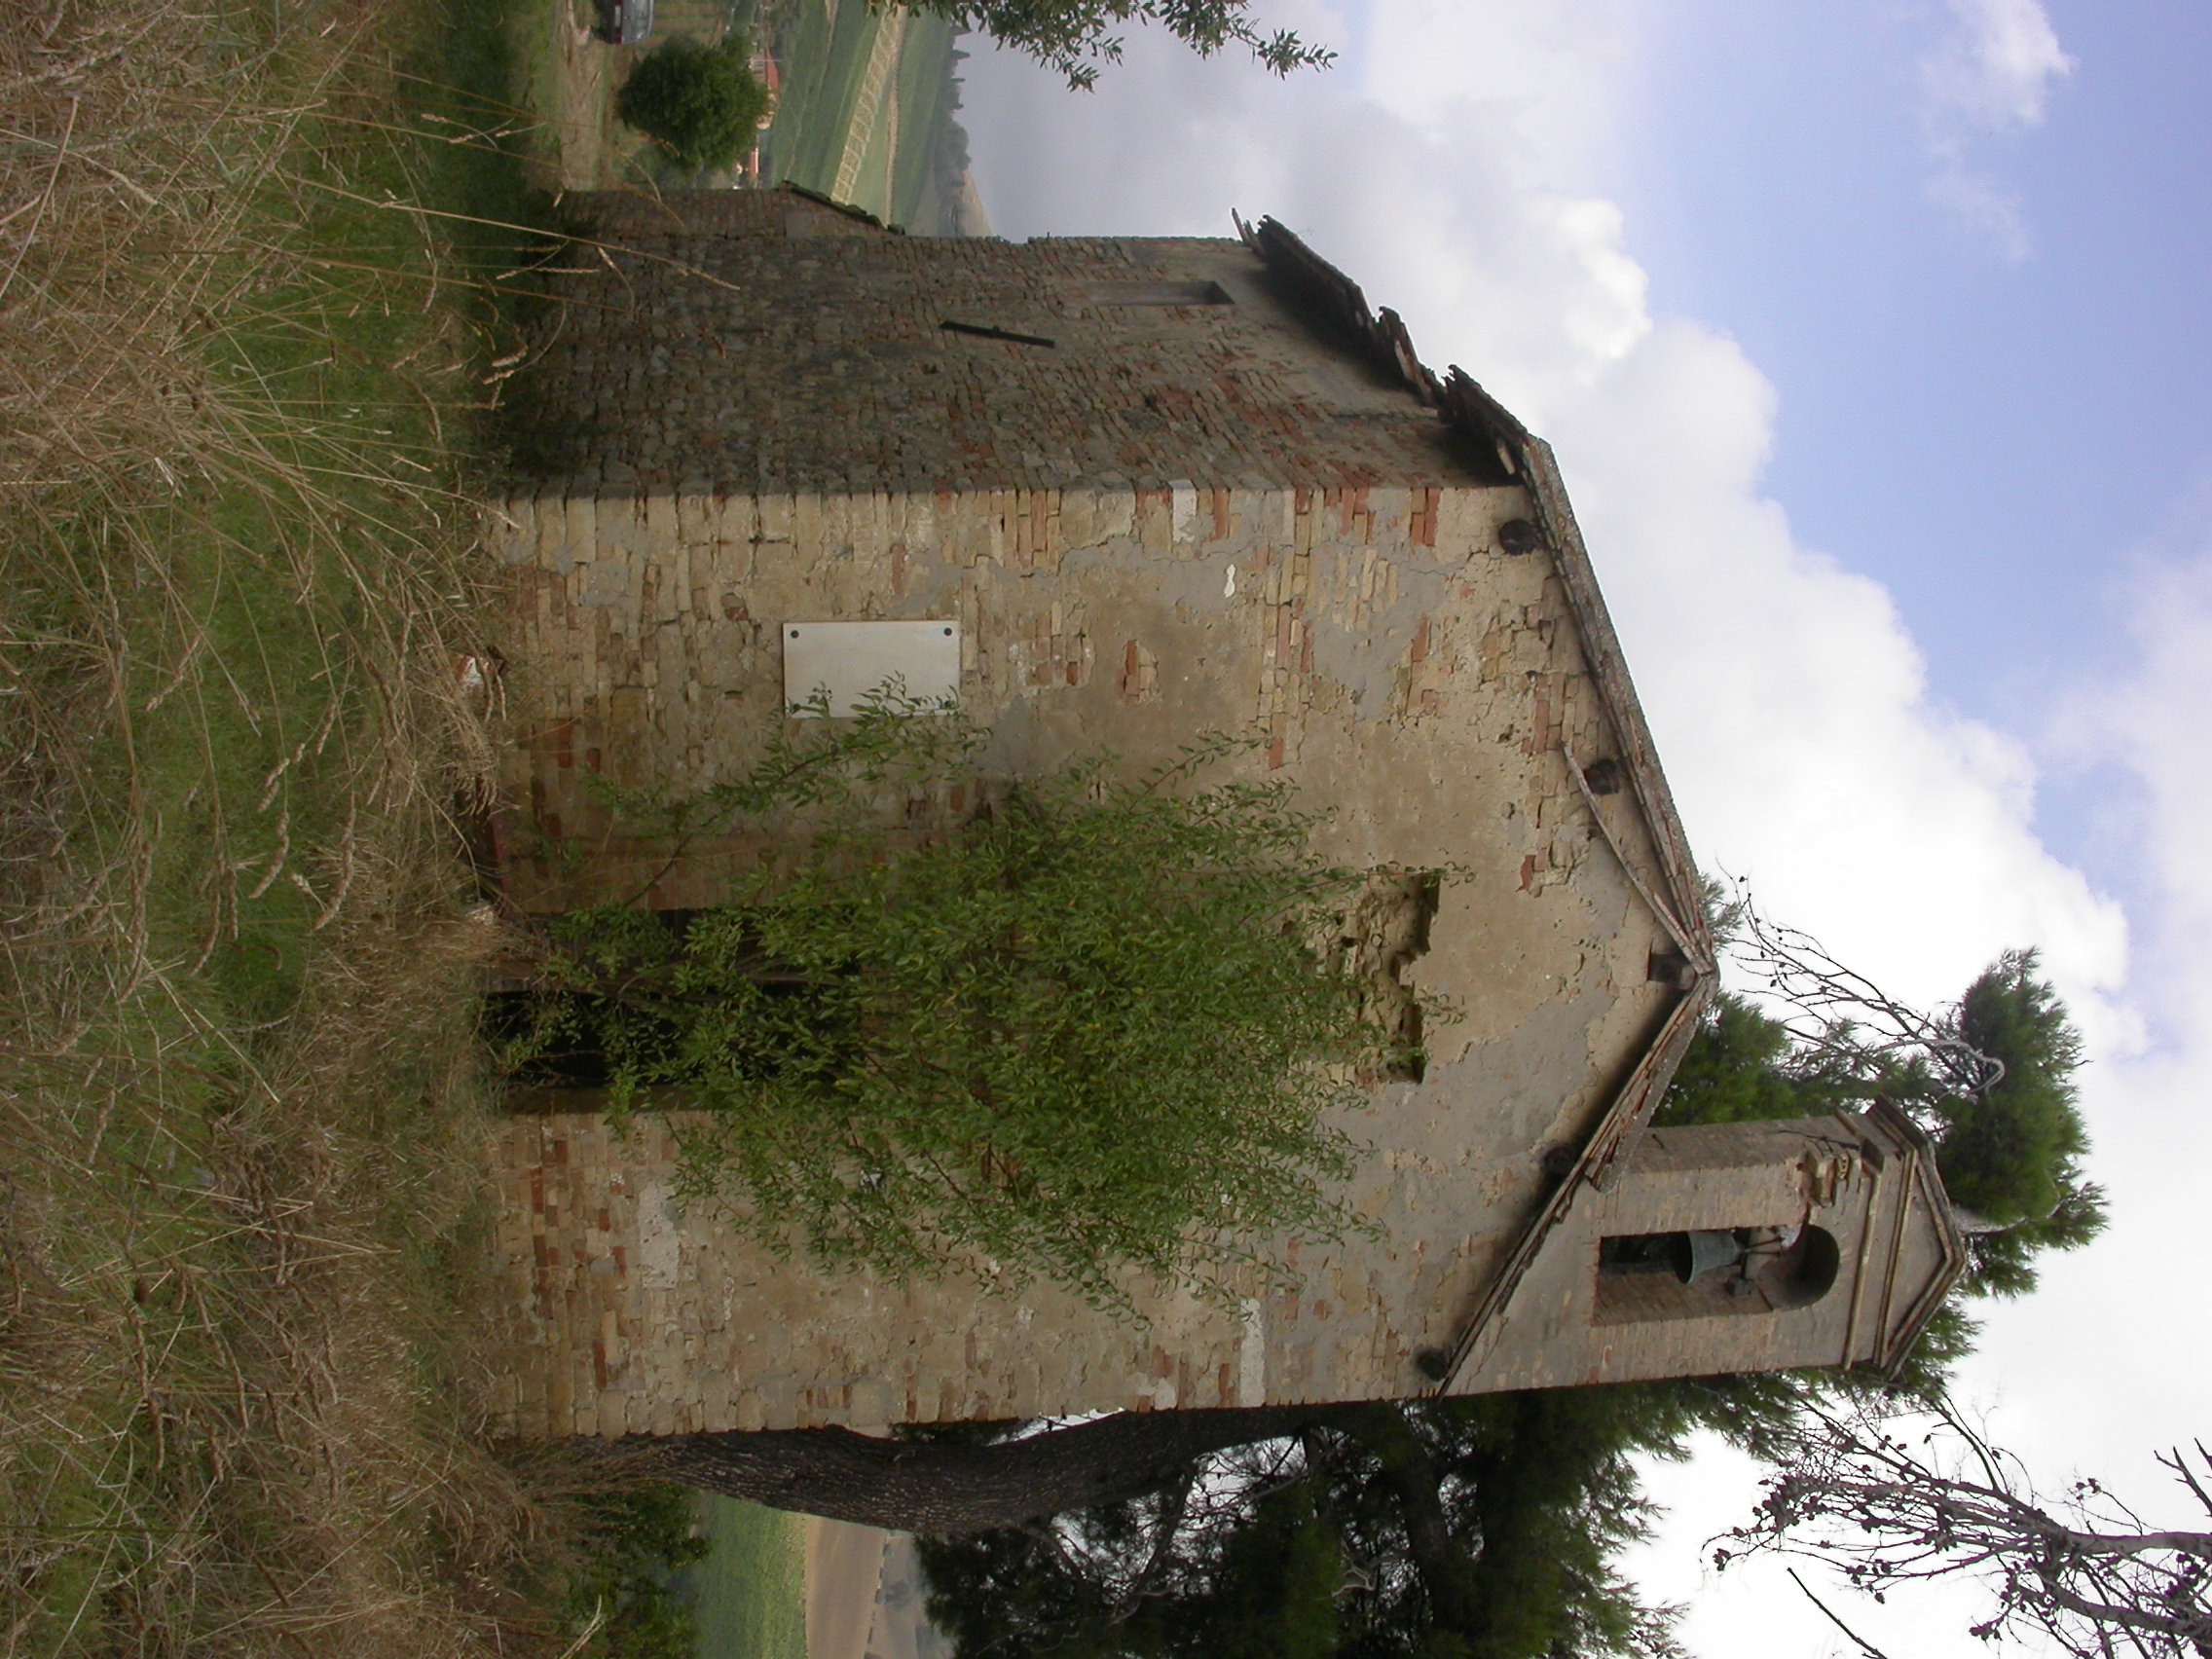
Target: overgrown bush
{"type": "Point", "coordinates": [701, 105]}
{"type": "Point", "coordinates": [632, 1540]}
{"type": "Point", "coordinates": [1081, 1030]}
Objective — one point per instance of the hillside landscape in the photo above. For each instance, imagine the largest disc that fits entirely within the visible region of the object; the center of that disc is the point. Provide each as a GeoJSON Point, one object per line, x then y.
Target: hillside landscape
{"type": "Point", "coordinates": [866, 107]}
{"type": "Point", "coordinates": [262, 266]}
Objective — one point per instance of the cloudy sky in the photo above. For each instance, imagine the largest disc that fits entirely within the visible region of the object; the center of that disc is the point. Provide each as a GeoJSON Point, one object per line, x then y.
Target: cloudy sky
{"type": "Point", "coordinates": [1873, 337]}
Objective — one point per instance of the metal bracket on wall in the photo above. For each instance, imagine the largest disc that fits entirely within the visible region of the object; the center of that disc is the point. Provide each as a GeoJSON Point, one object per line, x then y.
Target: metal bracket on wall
{"type": "Point", "coordinates": [984, 331]}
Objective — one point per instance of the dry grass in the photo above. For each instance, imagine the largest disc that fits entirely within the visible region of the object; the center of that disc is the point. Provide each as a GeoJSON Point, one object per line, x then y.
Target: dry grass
{"type": "Point", "coordinates": [240, 1095]}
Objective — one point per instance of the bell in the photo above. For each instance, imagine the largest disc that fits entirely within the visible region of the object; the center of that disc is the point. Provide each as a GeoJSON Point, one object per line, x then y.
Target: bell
{"type": "Point", "coordinates": [1695, 1254]}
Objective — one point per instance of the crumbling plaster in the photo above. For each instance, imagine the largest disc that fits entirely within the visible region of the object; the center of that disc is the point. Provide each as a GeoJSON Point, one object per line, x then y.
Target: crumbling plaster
{"type": "Point", "coordinates": [1417, 692]}
{"type": "Point", "coordinates": [1176, 519]}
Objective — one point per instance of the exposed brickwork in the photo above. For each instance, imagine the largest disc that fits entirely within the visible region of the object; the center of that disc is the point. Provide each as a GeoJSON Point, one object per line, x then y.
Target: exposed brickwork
{"type": "Point", "coordinates": [1177, 518]}
{"type": "Point", "coordinates": [1403, 686]}
{"type": "Point", "coordinates": [634, 1314]}
{"type": "Point", "coordinates": [646, 650]}
{"type": "Point", "coordinates": [755, 340]}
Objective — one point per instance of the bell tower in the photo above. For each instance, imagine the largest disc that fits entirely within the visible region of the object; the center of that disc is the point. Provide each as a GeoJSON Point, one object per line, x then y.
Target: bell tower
{"type": "Point", "coordinates": [1732, 1247]}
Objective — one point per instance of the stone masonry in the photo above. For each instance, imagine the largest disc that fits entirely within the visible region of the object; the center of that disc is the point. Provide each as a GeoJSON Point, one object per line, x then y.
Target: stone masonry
{"type": "Point", "coordinates": [1421, 690]}
{"type": "Point", "coordinates": [758, 341]}
{"type": "Point", "coordinates": [1165, 488]}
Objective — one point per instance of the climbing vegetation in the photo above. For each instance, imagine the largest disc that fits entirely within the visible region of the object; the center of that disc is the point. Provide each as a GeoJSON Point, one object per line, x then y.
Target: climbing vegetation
{"type": "Point", "coordinates": [1084, 1023]}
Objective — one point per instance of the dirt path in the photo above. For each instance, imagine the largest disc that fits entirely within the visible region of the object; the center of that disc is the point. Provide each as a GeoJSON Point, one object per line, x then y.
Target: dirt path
{"type": "Point", "coordinates": [844, 1564]}
{"type": "Point", "coordinates": [582, 154]}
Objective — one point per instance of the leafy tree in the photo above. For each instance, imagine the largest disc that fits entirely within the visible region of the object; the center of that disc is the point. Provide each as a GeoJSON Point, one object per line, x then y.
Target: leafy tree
{"type": "Point", "coordinates": [633, 1538]}
{"type": "Point", "coordinates": [701, 105]}
{"type": "Point", "coordinates": [1076, 37]}
{"type": "Point", "coordinates": [1990, 1078]}
{"type": "Point", "coordinates": [1742, 1067]}
{"type": "Point", "coordinates": [1890, 1497]}
{"type": "Point", "coordinates": [1461, 1528]}
{"type": "Point", "coordinates": [1150, 1577]}
{"type": "Point", "coordinates": [1441, 1528]}
{"type": "Point", "coordinates": [2012, 1149]}
{"type": "Point", "coordinates": [1076, 1032]}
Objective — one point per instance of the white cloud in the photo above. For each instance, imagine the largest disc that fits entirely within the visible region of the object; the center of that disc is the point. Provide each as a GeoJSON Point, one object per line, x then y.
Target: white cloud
{"type": "Point", "coordinates": [1790, 704]}
{"type": "Point", "coordinates": [1994, 70]}
{"type": "Point", "coordinates": [1793, 706]}
{"type": "Point", "coordinates": [1548, 66]}
{"type": "Point", "coordinates": [1983, 209]}
{"type": "Point", "coordinates": [1991, 75]}
{"type": "Point", "coordinates": [2146, 726]}
{"type": "Point", "coordinates": [2153, 722]}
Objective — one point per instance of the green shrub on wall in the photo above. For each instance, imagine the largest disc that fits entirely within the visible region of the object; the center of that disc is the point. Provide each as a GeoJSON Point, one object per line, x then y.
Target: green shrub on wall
{"type": "Point", "coordinates": [701, 105]}
{"type": "Point", "coordinates": [1080, 1030]}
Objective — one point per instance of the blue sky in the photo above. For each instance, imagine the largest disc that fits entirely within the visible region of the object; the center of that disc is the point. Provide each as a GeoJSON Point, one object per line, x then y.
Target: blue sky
{"type": "Point", "coordinates": [1873, 338]}
{"type": "Point", "coordinates": [2034, 421]}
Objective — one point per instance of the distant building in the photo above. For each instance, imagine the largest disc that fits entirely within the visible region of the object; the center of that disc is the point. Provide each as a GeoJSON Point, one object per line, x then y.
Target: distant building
{"type": "Point", "coordinates": [1141, 489]}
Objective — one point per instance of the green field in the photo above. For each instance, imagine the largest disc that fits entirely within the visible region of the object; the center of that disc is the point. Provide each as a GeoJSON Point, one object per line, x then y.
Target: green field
{"type": "Point", "coordinates": [925, 86]}
{"type": "Point", "coordinates": [822, 51]}
{"type": "Point", "coordinates": [865, 108]}
{"type": "Point", "coordinates": [749, 1596]}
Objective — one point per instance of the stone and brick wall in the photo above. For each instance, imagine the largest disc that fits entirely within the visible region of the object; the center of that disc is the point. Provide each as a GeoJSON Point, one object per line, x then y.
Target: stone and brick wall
{"type": "Point", "coordinates": [1374, 636]}
{"type": "Point", "coordinates": [1175, 519]}
{"type": "Point", "coordinates": [761, 341]}
{"type": "Point", "coordinates": [1416, 682]}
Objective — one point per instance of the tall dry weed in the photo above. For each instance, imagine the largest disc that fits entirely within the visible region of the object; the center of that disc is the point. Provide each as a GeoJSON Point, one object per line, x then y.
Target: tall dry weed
{"type": "Point", "coordinates": [239, 1103]}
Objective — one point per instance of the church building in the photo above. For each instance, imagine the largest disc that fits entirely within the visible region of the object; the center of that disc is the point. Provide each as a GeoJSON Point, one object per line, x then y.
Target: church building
{"type": "Point", "coordinates": [1113, 493]}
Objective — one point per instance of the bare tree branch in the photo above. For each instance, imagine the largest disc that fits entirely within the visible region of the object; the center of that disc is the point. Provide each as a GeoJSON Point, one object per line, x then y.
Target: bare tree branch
{"type": "Point", "coordinates": [1890, 1496]}
{"type": "Point", "coordinates": [1864, 1646]}
{"type": "Point", "coordinates": [2175, 1461]}
{"type": "Point", "coordinates": [1836, 1011]}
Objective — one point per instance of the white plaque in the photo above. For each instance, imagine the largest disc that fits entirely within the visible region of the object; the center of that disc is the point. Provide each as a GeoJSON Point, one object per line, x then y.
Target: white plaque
{"type": "Point", "coordinates": [851, 659]}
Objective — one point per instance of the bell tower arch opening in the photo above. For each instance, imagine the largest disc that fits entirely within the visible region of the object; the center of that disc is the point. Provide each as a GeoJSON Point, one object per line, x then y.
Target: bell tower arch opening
{"type": "Point", "coordinates": [1703, 1273]}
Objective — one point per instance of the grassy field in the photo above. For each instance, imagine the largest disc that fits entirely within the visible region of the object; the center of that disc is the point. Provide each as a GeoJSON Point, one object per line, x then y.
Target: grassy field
{"type": "Point", "coordinates": [924, 86]}
{"type": "Point", "coordinates": [250, 314]}
{"type": "Point", "coordinates": [827, 113]}
{"type": "Point", "coordinates": [748, 1595]}
{"type": "Point", "coordinates": [258, 287]}
{"type": "Point", "coordinates": [823, 53]}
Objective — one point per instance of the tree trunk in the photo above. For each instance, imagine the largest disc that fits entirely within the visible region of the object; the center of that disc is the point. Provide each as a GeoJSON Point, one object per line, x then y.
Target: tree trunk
{"type": "Point", "coordinates": [947, 1489]}
{"type": "Point", "coordinates": [1417, 1484]}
